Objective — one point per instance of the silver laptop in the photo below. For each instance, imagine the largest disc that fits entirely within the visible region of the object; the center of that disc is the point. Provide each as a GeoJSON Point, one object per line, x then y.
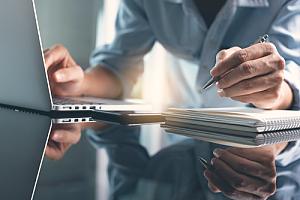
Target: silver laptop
{"type": "Point", "coordinates": [23, 78]}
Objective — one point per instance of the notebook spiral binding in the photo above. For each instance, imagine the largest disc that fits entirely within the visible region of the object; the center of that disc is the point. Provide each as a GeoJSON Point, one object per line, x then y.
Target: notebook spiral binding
{"type": "Point", "coordinates": [277, 137]}
{"type": "Point", "coordinates": [281, 124]}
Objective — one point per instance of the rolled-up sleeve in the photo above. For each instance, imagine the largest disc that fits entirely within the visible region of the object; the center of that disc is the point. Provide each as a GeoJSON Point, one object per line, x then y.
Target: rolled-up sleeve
{"type": "Point", "coordinates": [285, 34]}
{"type": "Point", "coordinates": [134, 38]}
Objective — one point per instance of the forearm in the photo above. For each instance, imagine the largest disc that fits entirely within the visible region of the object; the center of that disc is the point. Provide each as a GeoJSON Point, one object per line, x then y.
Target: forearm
{"type": "Point", "coordinates": [100, 82]}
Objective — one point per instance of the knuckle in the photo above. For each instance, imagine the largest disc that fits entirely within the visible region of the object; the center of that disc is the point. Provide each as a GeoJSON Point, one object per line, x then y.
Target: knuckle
{"type": "Point", "coordinates": [269, 189]}
{"type": "Point", "coordinates": [58, 46]}
{"type": "Point", "coordinates": [278, 78]}
{"type": "Point", "coordinates": [247, 68]}
{"type": "Point", "coordinates": [269, 47]}
{"type": "Point", "coordinates": [242, 55]}
{"type": "Point", "coordinates": [281, 63]}
{"type": "Point", "coordinates": [222, 54]}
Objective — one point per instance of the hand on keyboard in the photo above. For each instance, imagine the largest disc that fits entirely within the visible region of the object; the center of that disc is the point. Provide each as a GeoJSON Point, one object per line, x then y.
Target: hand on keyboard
{"type": "Point", "coordinates": [65, 76]}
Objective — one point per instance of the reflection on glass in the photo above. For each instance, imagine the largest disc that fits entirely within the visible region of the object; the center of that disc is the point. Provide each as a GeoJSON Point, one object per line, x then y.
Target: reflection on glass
{"type": "Point", "coordinates": [172, 173]}
{"type": "Point", "coordinates": [22, 142]}
{"type": "Point", "coordinates": [69, 169]}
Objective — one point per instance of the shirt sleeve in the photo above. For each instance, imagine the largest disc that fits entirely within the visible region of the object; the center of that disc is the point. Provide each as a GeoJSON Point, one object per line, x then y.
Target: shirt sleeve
{"type": "Point", "coordinates": [285, 34]}
{"type": "Point", "coordinates": [134, 38]}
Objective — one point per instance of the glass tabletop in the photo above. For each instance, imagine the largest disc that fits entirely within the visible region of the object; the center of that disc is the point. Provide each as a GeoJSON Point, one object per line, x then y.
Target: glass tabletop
{"type": "Point", "coordinates": [100, 160]}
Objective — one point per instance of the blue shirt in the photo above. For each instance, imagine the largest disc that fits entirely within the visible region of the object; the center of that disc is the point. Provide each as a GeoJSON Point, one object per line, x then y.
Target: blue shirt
{"type": "Point", "coordinates": [179, 27]}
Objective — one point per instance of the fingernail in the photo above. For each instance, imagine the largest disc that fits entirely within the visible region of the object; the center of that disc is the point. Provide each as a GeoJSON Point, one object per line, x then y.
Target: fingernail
{"type": "Point", "coordinates": [218, 85]}
{"type": "Point", "coordinates": [212, 162]}
{"type": "Point", "coordinates": [56, 137]}
{"type": "Point", "coordinates": [217, 153]}
{"type": "Point", "coordinates": [205, 174]}
{"type": "Point", "coordinates": [221, 93]}
{"type": "Point", "coordinates": [212, 71]}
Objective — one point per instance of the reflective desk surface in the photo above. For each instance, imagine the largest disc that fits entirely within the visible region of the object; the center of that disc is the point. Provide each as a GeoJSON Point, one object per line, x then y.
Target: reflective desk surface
{"type": "Point", "coordinates": [100, 160]}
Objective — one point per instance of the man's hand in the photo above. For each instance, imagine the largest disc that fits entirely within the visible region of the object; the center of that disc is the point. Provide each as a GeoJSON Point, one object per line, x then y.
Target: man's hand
{"type": "Point", "coordinates": [244, 173]}
{"type": "Point", "coordinates": [253, 75]}
{"type": "Point", "coordinates": [65, 76]}
{"type": "Point", "coordinates": [62, 137]}
{"type": "Point", "coordinates": [68, 79]}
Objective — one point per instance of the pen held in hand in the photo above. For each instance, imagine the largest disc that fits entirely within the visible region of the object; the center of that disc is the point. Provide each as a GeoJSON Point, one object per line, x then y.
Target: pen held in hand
{"type": "Point", "coordinates": [205, 164]}
{"type": "Point", "coordinates": [213, 80]}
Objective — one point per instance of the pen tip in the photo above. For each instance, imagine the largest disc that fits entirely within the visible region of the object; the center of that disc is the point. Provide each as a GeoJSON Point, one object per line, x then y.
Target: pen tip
{"type": "Point", "coordinates": [201, 90]}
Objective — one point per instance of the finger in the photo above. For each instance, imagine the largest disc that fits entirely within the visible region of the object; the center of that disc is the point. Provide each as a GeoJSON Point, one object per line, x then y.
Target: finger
{"type": "Point", "coordinates": [66, 137]}
{"type": "Point", "coordinates": [251, 69]}
{"type": "Point", "coordinates": [68, 74]}
{"type": "Point", "coordinates": [226, 53]}
{"type": "Point", "coordinates": [239, 181]}
{"type": "Point", "coordinates": [253, 85]}
{"type": "Point", "coordinates": [213, 188]}
{"type": "Point", "coordinates": [57, 55]}
{"type": "Point", "coordinates": [217, 182]}
{"type": "Point", "coordinates": [227, 190]}
{"type": "Point", "coordinates": [261, 99]}
{"type": "Point", "coordinates": [251, 53]}
{"type": "Point", "coordinates": [55, 153]}
{"type": "Point", "coordinates": [242, 164]}
{"type": "Point", "coordinates": [264, 155]}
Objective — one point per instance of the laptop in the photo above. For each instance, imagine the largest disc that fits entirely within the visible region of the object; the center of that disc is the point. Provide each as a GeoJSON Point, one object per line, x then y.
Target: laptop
{"type": "Point", "coordinates": [23, 77]}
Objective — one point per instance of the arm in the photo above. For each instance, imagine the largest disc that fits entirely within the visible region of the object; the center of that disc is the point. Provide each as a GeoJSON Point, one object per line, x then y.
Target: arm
{"type": "Point", "coordinates": [257, 75]}
{"type": "Point", "coordinates": [244, 173]}
{"type": "Point", "coordinates": [116, 67]}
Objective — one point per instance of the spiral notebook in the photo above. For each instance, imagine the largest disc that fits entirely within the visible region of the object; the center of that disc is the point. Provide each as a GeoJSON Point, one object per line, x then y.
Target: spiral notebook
{"type": "Point", "coordinates": [243, 119]}
{"type": "Point", "coordinates": [241, 127]}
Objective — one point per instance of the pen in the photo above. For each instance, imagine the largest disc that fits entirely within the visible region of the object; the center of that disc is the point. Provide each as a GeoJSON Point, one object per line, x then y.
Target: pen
{"type": "Point", "coordinates": [213, 80]}
{"type": "Point", "coordinates": [205, 164]}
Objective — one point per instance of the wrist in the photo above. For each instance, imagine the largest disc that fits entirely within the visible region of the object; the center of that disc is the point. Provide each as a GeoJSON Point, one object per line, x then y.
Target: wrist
{"type": "Point", "coordinates": [286, 97]}
{"type": "Point", "coordinates": [84, 85]}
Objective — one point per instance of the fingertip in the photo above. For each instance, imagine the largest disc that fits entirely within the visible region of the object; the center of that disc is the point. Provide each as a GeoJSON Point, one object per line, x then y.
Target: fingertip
{"type": "Point", "coordinates": [214, 72]}
{"type": "Point", "coordinates": [206, 174]}
{"type": "Point", "coordinates": [213, 188]}
{"type": "Point", "coordinates": [56, 137]}
{"type": "Point", "coordinates": [221, 93]}
{"type": "Point", "coordinates": [59, 77]}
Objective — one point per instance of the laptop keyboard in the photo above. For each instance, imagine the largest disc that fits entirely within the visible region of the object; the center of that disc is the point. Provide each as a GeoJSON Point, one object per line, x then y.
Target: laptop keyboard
{"type": "Point", "coordinates": [69, 101]}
